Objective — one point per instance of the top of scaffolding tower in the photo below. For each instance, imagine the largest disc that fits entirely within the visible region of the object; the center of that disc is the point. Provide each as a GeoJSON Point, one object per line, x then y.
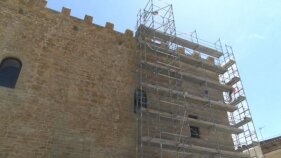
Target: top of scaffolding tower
{"type": "Point", "coordinates": [157, 22]}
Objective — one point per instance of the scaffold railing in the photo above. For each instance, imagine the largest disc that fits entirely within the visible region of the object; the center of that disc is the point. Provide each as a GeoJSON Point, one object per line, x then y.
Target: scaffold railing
{"type": "Point", "coordinates": [166, 110]}
{"type": "Point", "coordinates": [248, 139]}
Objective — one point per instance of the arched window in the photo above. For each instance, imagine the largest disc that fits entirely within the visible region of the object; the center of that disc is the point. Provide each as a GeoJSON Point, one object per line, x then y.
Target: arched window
{"type": "Point", "coordinates": [9, 72]}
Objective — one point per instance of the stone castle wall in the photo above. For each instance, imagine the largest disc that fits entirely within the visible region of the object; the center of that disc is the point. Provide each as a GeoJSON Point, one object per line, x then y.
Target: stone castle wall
{"type": "Point", "coordinates": [71, 98]}
{"type": "Point", "coordinates": [74, 95]}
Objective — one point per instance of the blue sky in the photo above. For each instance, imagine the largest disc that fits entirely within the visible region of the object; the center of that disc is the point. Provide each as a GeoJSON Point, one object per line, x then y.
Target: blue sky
{"type": "Point", "coordinates": [252, 28]}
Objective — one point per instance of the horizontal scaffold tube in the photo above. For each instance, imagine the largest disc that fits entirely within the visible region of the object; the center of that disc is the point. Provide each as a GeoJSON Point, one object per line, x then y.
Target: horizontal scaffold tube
{"type": "Point", "coordinates": [188, 76]}
{"type": "Point", "coordinates": [197, 122]}
{"type": "Point", "coordinates": [192, 98]}
{"type": "Point", "coordinates": [182, 42]}
{"type": "Point", "coordinates": [185, 58]}
{"type": "Point", "coordinates": [194, 148]}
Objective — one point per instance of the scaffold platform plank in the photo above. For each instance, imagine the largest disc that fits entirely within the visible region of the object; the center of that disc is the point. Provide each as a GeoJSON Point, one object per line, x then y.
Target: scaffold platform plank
{"type": "Point", "coordinates": [243, 122]}
{"type": "Point", "coordinates": [195, 99]}
{"type": "Point", "coordinates": [197, 122]}
{"type": "Point", "coordinates": [186, 58]}
{"type": "Point", "coordinates": [200, 62]}
{"type": "Point", "coordinates": [228, 64]}
{"type": "Point", "coordinates": [238, 100]}
{"type": "Point", "coordinates": [188, 76]}
{"type": "Point", "coordinates": [183, 42]}
{"type": "Point", "coordinates": [193, 148]}
{"type": "Point", "coordinates": [233, 81]}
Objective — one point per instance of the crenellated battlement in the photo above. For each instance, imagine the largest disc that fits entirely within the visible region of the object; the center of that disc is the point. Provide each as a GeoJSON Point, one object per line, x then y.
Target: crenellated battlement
{"type": "Point", "coordinates": [40, 6]}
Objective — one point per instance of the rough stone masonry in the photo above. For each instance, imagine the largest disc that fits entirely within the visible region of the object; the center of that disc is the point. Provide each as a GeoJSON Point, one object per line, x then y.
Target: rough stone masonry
{"type": "Point", "coordinates": [74, 95]}
{"type": "Point", "coordinates": [71, 98]}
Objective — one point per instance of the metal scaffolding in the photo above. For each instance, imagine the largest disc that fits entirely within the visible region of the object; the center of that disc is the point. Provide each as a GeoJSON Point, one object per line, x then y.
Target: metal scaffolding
{"type": "Point", "coordinates": [247, 140]}
{"type": "Point", "coordinates": [167, 120]}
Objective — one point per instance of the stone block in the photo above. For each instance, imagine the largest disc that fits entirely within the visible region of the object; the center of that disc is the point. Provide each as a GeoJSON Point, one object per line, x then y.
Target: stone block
{"type": "Point", "coordinates": [42, 3]}
{"type": "Point", "coordinates": [196, 55]}
{"type": "Point", "coordinates": [211, 60]}
{"type": "Point", "coordinates": [129, 33]}
{"type": "Point", "coordinates": [88, 19]}
{"type": "Point", "coordinates": [180, 50]}
{"type": "Point", "coordinates": [109, 26]}
{"type": "Point", "coordinates": [65, 11]}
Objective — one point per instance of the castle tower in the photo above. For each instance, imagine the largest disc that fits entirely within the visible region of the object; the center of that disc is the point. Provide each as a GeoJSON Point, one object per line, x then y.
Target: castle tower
{"type": "Point", "coordinates": [191, 101]}
{"type": "Point", "coordinates": [70, 88]}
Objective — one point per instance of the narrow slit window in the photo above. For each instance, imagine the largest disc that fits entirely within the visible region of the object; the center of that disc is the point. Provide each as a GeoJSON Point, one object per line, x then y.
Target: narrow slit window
{"type": "Point", "coordinates": [9, 72]}
{"type": "Point", "coordinates": [140, 100]}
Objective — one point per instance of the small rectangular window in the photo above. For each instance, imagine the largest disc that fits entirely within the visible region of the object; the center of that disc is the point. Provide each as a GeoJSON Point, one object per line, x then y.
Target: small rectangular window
{"type": "Point", "coordinates": [194, 132]}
